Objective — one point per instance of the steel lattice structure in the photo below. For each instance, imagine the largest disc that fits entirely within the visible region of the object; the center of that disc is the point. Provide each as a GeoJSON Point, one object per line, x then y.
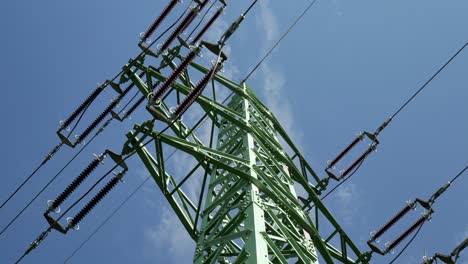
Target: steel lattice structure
{"type": "Point", "coordinates": [247, 210]}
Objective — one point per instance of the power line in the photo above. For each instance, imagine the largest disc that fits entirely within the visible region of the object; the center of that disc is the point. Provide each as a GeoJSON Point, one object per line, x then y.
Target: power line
{"type": "Point", "coordinates": [49, 156]}
{"type": "Point", "coordinates": [458, 175]}
{"type": "Point", "coordinates": [407, 244]}
{"type": "Point", "coordinates": [183, 106]}
{"type": "Point", "coordinates": [113, 213]}
{"type": "Point", "coordinates": [386, 122]}
{"type": "Point", "coordinates": [81, 150]}
{"type": "Point", "coordinates": [280, 39]}
{"type": "Point", "coordinates": [204, 117]}
{"type": "Point", "coordinates": [100, 179]}
{"type": "Point", "coordinates": [429, 80]}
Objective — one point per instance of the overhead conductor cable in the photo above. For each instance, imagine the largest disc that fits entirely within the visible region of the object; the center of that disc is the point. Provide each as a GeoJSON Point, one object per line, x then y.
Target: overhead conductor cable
{"type": "Point", "coordinates": [427, 205]}
{"type": "Point", "coordinates": [49, 156]}
{"type": "Point", "coordinates": [373, 136]}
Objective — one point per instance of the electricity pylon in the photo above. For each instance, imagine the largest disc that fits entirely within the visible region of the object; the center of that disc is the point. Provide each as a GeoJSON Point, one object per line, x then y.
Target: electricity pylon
{"type": "Point", "coordinates": [247, 209]}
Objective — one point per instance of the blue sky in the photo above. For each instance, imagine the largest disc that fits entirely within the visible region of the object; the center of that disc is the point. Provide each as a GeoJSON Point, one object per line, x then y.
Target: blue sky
{"type": "Point", "coordinates": [345, 68]}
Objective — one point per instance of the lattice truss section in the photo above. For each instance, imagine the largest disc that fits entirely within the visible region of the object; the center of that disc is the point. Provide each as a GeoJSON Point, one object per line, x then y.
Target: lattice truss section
{"type": "Point", "coordinates": [230, 182]}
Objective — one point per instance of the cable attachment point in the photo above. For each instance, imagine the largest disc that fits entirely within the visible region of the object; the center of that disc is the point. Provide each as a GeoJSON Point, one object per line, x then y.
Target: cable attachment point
{"type": "Point", "coordinates": [448, 259]}
{"type": "Point", "coordinates": [54, 224]}
{"type": "Point", "coordinates": [117, 159]}
{"type": "Point", "coordinates": [75, 227]}
{"type": "Point", "coordinates": [382, 127]}
{"type": "Point", "coordinates": [389, 246]}
{"type": "Point", "coordinates": [36, 242]}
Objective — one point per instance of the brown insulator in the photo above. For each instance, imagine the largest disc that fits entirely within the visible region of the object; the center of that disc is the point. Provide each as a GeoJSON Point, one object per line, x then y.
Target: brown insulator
{"type": "Point", "coordinates": [208, 25]}
{"type": "Point", "coordinates": [182, 26]}
{"type": "Point", "coordinates": [406, 233]}
{"type": "Point", "coordinates": [76, 182]}
{"type": "Point", "coordinates": [96, 199]}
{"type": "Point", "coordinates": [174, 75]}
{"type": "Point", "coordinates": [358, 161]}
{"type": "Point", "coordinates": [83, 105]}
{"type": "Point", "coordinates": [345, 151]}
{"type": "Point", "coordinates": [194, 94]}
{"type": "Point", "coordinates": [392, 221]}
{"type": "Point", "coordinates": [159, 20]}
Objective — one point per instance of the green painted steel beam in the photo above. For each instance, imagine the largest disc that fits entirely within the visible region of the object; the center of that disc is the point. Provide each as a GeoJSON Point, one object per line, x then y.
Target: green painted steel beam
{"type": "Point", "coordinates": [246, 210]}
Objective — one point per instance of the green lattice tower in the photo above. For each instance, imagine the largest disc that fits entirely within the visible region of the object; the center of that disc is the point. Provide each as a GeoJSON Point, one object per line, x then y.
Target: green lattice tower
{"type": "Point", "coordinates": [246, 209]}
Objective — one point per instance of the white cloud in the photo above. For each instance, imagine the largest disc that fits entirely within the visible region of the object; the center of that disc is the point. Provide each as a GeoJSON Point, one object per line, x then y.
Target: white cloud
{"type": "Point", "coordinates": [273, 79]}
{"type": "Point", "coordinates": [267, 21]}
{"type": "Point", "coordinates": [347, 200]}
{"type": "Point", "coordinates": [338, 11]}
{"type": "Point", "coordinates": [170, 236]}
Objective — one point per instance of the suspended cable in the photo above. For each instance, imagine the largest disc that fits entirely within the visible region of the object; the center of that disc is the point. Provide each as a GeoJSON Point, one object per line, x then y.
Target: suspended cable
{"type": "Point", "coordinates": [136, 189]}
{"type": "Point", "coordinates": [114, 211]}
{"type": "Point", "coordinates": [280, 39]}
{"type": "Point", "coordinates": [48, 157]}
{"type": "Point", "coordinates": [307, 203]}
{"type": "Point", "coordinates": [91, 205]}
{"type": "Point", "coordinates": [426, 204]}
{"type": "Point", "coordinates": [373, 136]}
{"type": "Point", "coordinates": [110, 185]}
{"type": "Point", "coordinates": [407, 244]}
{"type": "Point", "coordinates": [429, 80]}
{"type": "Point", "coordinates": [80, 151]}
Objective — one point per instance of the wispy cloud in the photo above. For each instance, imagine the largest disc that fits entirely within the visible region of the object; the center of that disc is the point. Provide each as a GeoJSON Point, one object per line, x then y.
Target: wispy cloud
{"type": "Point", "coordinates": [273, 80]}
{"type": "Point", "coordinates": [338, 11]}
{"type": "Point", "coordinates": [347, 200]}
{"type": "Point", "coordinates": [169, 236]}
